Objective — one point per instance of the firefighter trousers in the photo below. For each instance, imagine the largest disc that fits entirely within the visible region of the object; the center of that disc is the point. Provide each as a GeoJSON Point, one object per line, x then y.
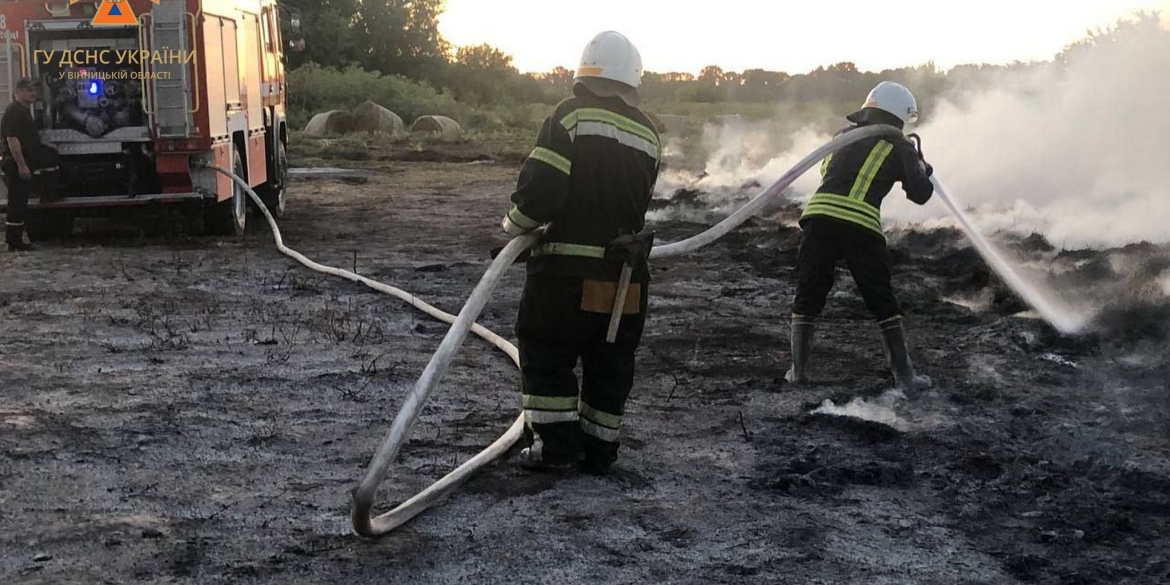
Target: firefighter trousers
{"type": "Point", "coordinates": [18, 193]}
{"type": "Point", "coordinates": [825, 242]}
{"type": "Point", "coordinates": [567, 420]}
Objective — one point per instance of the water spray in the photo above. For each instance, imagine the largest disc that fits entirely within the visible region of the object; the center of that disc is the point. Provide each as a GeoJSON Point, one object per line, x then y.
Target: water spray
{"type": "Point", "coordinates": [1060, 318]}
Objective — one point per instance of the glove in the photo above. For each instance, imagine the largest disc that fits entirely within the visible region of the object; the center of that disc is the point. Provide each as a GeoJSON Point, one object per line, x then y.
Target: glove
{"type": "Point", "coordinates": [929, 169]}
{"type": "Point", "coordinates": [511, 228]}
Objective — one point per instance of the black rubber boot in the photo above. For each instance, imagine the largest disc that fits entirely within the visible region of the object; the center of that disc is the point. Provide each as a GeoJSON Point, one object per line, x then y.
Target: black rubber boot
{"type": "Point", "coordinates": [803, 331]}
{"type": "Point", "coordinates": [598, 456]}
{"type": "Point", "coordinates": [532, 459]}
{"type": "Point", "coordinates": [14, 236]}
{"type": "Point", "coordinates": [898, 356]}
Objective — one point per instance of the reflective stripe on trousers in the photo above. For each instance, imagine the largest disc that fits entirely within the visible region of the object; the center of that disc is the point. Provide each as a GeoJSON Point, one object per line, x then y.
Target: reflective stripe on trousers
{"type": "Point", "coordinates": [549, 409]}
{"type": "Point", "coordinates": [600, 424]}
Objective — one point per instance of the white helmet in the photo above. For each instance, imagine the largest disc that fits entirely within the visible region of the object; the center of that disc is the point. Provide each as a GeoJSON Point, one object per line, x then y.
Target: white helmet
{"type": "Point", "coordinates": [893, 98]}
{"type": "Point", "coordinates": [611, 56]}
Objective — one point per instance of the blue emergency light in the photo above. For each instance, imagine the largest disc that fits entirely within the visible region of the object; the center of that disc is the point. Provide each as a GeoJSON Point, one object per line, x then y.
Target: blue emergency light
{"type": "Point", "coordinates": [95, 87]}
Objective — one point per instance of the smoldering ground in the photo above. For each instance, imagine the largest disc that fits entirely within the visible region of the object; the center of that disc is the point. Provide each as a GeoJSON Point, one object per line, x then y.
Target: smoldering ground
{"type": "Point", "coordinates": [197, 412]}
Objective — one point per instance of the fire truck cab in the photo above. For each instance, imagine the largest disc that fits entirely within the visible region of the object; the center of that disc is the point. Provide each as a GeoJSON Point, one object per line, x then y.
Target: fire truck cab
{"type": "Point", "coordinates": [135, 109]}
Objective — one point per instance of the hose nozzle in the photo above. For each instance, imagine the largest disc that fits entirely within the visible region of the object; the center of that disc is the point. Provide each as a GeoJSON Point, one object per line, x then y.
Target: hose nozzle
{"type": "Point", "coordinates": [917, 145]}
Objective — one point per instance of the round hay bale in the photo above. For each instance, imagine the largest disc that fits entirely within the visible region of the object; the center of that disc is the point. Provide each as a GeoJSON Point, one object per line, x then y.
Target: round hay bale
{"type": "Point", "coordinates": [440, 125]}
{"type": "Point", "coordinates": [371, 117]}
{"type": "Point", "coordinates": [728, 121]}
{"type": "Point", "coordinates": [672, 124]}
{"type": "Point", "coordinates": [331, 122]}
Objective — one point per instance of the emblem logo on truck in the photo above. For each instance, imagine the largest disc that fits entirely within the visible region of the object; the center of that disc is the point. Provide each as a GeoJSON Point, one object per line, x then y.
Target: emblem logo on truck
{"type": "Point", "coordinates": [114, 13]}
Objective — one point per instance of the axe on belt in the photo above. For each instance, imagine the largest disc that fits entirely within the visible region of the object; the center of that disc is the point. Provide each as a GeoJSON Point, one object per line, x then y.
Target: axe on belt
{"type": "Point", "coordinates": [632, 250]}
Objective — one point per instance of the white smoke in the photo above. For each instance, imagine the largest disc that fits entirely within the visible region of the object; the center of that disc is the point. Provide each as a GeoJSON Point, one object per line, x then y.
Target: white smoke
{"type": "Point", "coordinates": [1079, 153]}
{"type": "Point", "coordinates": [879, 410]}
{"type": "Point", "coordinates": [743, 160]}
{"type": "Point", "coordinates": [744, 152]}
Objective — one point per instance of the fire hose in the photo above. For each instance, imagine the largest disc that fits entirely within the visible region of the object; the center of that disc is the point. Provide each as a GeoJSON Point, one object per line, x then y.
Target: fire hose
{"type": "Point", "coordinates": [364, 524]}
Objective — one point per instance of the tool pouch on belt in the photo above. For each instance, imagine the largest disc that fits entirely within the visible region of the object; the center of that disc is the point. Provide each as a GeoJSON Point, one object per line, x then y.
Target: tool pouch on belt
{"type": "Point", "coordinates": [632, 251]}
{"type": "Point", "coordinates": [598, 296]}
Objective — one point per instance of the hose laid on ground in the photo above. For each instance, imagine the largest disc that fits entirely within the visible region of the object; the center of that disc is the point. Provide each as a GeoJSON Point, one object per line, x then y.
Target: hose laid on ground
{"type": "Point", "coordinates": [364, 494]}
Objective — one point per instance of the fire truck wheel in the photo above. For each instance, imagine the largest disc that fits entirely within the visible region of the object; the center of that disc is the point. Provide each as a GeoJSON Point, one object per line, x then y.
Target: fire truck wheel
{"type": "Point", "coordinates": [272, 193]}
{"type": "Point", "coordinates": [228, 218]}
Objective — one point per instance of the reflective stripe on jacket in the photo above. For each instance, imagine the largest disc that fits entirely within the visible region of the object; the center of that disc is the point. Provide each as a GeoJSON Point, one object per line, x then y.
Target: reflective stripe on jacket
{"type": "Point", "coordinates": [857, 178]}
{"type": "Point", "coordinates": [591, 175]}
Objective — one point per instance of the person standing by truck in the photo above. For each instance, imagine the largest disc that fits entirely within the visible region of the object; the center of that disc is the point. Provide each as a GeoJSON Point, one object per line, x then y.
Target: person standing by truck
{"type": "Point", "coordinates": [23, 154]}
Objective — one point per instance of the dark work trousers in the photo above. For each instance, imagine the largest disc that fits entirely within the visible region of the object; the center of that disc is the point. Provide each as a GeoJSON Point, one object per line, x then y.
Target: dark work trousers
{"type": "Point", "coordinates": [826, 241]}
{"type": "Point", "coordinates": [18, 192]}
{"type": "Point", "coordinates": [554, 334]}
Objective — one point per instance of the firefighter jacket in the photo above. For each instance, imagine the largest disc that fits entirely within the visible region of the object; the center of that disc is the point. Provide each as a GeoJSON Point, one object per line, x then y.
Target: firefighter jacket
{"type": "Point", "coordinates": [590, 177]}
{"type": "Point", "coordinates": [856, 178]}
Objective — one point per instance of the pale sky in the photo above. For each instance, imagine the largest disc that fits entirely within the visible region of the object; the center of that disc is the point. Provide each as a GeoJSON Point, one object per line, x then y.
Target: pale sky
{"type": "Point", "coordinates": [785, 35]}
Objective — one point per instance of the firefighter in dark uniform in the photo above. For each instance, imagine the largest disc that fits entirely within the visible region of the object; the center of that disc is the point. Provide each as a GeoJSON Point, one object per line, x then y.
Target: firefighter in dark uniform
{"type": "Point", "coordinates": [843, 221]}
{"type": "Point", "coordinates": [24, 156]}
{"type": "Point", "coordinates": [589, 182]}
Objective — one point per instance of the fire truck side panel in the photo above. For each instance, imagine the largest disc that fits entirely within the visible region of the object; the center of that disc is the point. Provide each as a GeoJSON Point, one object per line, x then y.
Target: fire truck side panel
{"type": "Point", "coordinates": [231, 64]}
{"type": "Point", "coordinates": [249, 53]}
{"type": "Point", "coordinates": [222, 156]}
{"type": "Point", "coordinates": [173, 172]}
{"type": "Point", "coordinates": [256, 160]}
{"type": "Point", "coordinates": [213, 77]}
{"type": "Point", "coordinates": [272, 88]}
{"type": "Point", "coordinates": [272, 84]}
{"type": "Point", "coordinates": [221, 81]}
{"type": "Point", "coordinates": [250, 69]}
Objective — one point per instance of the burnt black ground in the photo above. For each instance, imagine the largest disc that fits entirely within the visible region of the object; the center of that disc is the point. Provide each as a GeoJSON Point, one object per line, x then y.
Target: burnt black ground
{"type": "Point", "coordinates": [190, 410]}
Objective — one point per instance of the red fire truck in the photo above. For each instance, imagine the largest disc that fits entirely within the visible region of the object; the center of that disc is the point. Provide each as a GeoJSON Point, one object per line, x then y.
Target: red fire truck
{"type": "Point", "coordinates": [133, 109]}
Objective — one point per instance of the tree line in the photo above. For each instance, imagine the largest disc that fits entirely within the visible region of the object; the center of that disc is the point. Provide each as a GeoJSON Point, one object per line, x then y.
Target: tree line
{"type": "Point", "coordinates": [401, 38]}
